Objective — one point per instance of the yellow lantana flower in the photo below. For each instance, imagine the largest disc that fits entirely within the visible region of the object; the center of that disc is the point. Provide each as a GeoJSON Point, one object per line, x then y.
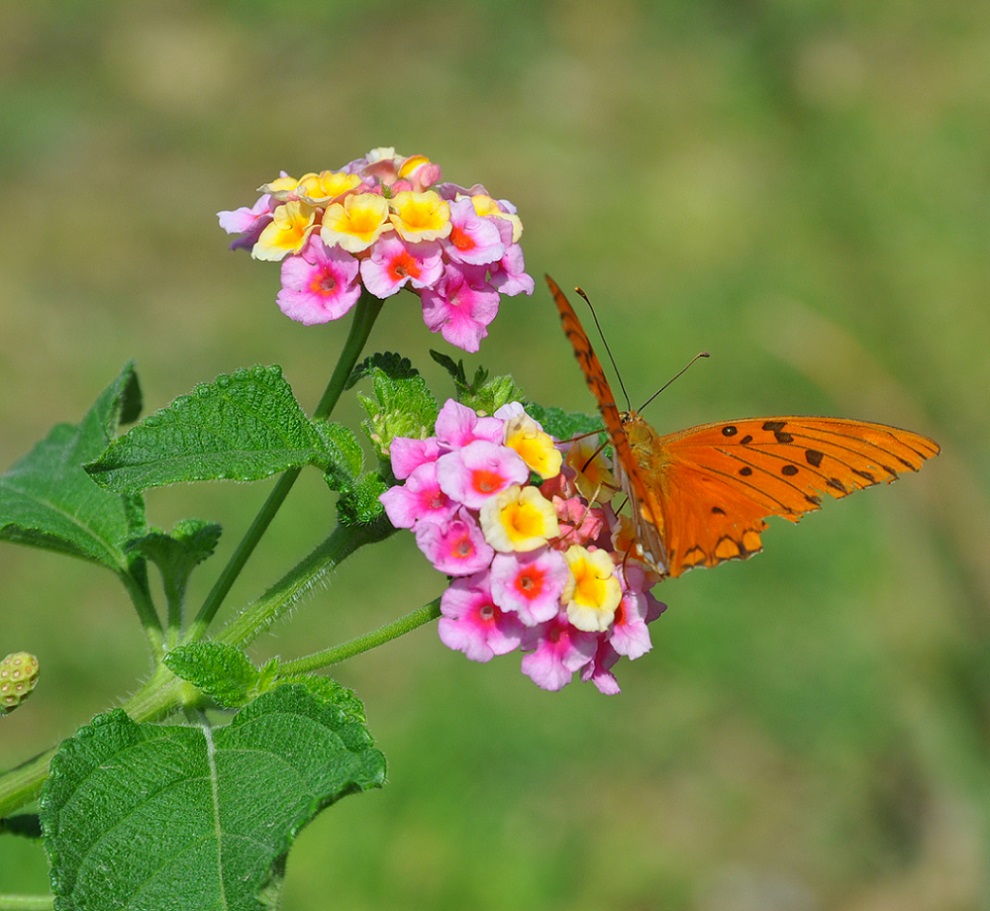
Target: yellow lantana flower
{"type": "Point", "coordinates": [420, 216]}
{"type": "Point", "coordinates": [593, 593]}
{"type": "Point", "coordinates": [288, 232]}
{"type": "Point", "coordinates": [355, 223]}
{"type": "Point", "coordinates": [534, 445]}
{"type": "Point", "coordinates": [518, 519]}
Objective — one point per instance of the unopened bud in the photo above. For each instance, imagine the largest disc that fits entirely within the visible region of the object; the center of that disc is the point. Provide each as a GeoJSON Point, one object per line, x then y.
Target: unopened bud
{"type": "Point", "coordinates": [18, 675]}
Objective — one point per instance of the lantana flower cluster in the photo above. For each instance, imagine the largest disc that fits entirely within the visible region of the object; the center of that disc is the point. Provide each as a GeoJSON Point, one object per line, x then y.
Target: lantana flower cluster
{"type": "Point", "coordinates": [534, 565]}
{"type": "Point", "coordinates": [386, 222]}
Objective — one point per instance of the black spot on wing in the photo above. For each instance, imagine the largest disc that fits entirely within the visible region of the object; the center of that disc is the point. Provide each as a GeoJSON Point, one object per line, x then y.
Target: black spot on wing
{"type": "Point", "coordinates": [814, 457]}
{"type": "Point", "coordinates": [789, 470]}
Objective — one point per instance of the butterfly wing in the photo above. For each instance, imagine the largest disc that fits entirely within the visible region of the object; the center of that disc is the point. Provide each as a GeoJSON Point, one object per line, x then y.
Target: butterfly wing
{"type": "Point", "coordinates": [627, 467]}
{"type": "Point", "coordinates": [711, 487]}
{"type": "Point", "coordinates": [701, 496]}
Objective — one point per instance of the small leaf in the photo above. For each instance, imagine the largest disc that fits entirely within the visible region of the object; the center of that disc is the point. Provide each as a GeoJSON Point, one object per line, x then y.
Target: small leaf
{"type": "Point", "coordinates": [241, 427]}
{"type": "Point", "coordinates": [222, 672]}
{"type": "Point", "coordinates": [148, 816]}
{"type": "Point", "coordinates": [402, 405]}
{"type": "Point", "coordinates": [47, 500]}
{"type": "Point", "coordinates": [360, 504]}
{"type": "Point", "coordinates": [345, 456]}
{"type": "Point", "coordinates": [177, 554]}
{"type": "Point", "coordinates": [481, 394]}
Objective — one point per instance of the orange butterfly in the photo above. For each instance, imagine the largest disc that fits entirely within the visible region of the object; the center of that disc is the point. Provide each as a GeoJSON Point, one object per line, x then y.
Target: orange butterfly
{"type": "Point", "coordinates": [699, 496]}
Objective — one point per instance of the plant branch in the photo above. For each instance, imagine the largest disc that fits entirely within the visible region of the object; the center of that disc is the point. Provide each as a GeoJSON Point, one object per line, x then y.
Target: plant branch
{"type": "Point", "coordinates": [365, 314]}
{"type": "Point", "coordinates": [368, 641]}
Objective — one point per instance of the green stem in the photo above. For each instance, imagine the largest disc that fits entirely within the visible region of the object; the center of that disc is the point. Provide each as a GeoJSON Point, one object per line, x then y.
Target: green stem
{"type": "Point", "coordinates": [365, 314]}
{"type": "Point", "coordinates": [260, 615]}
{"type": "Point", "coordinates": [146, 612]}
{"type": "Point", "coordinates": [365, 643]}
{"type": "Point", "coordinates": [26, 902]}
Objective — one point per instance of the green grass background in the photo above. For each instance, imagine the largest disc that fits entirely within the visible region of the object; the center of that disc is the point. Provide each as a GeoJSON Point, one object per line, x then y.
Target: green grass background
{"type": "Point", "coordinates": [798, 187]}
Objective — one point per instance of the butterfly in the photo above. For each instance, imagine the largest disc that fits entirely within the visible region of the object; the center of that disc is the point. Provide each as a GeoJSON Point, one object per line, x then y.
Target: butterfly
{"type": "Point", "coordinates": [700, 496]}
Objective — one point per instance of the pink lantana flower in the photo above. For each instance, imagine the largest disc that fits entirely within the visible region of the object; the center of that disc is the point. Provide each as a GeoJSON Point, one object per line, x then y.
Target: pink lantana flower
{"type": "Point", "coordinates": [408, 454]}
{"type": "Point", "coordinates": [457, 547]}
{"type": "Point", "coordinates": [473, 474]}
{"type": "Point", "coordinates": [457, 425]}
{"type": "Point", "coordinates": [556, 651]}
{"type": "Point", "coordinates": [530, 584]}
{"type": "Point", "coordinates": [319, 284]}
{"type": "Point", "coordinates": [599, 670]}
{"type": "Point", "coordinates": [460, 307]}
{"type": "Point", "coordinates": [419, 499]}
{"type": "Point", "coordinates": [473, 239]}
{"type": "Point", "coordinates": [472, 623]}
{"type": "Point", "coordinates": [247, 222]}
{"type": "Point", "coordinates": [393, 263]}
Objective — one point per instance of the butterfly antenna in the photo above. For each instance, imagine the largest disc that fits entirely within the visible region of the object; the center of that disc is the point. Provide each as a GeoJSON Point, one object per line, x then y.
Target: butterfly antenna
{"type": "Point", "coordinates": [608, 351]}
{"type": "Point", "coordinates": [679, 373]}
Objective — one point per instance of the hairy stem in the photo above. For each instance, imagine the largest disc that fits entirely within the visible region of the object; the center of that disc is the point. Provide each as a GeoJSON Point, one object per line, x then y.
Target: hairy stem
{"type": "Point", "coordinates": [368, 641]}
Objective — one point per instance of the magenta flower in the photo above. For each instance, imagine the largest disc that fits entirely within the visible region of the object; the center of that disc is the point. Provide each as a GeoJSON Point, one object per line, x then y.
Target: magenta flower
{"type": "Point", "coordinates": [473, 624]}
{"type": "Point", "coordinates": [558, 650]}
{"type": "Point", "coordinates": [478, 471]}
{"type": "Point", "coordinates": [394, 262]}
{"type": "Point", "coordinates": [247, 222]}
{"type": "Point", "coordinates": [457, 547]}
{"type": "Point", "coordinates": [530, 584]}
{"type": "Point", "coordinates": [457, 425]}
{"type": "Point", "coordinates": [408, 454]}
{"type": "Point", "coordinates": [460, 307]}
{"type": "Point", "coordinates": [599, 670]}
{"type": "Point", "coordinates": [420, 498]}
{"type": "Point", "coordinates": [319, 284]}
{"type": "Point", "coordinates": [509, 274]}
{"type": "Point", "coordinates": [473, 240]}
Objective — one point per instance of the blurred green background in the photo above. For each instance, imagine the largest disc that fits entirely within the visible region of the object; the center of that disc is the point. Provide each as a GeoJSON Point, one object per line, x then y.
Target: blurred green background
{"type": "Point", "coordinates": [798, 187]}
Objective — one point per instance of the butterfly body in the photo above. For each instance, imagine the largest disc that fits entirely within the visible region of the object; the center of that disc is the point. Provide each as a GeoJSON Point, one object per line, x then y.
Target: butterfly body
{"type": "Point", "coordinates": [700, 496]}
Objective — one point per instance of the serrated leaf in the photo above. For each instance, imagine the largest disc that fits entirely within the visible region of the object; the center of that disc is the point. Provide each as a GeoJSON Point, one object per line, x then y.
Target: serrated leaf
{"type": "Point", "coordinates": [402, 404]}
{"type": "Point", "coordinates": [242, 427]}
{"type": "Point", "coordinates": [47, 500]}
{"type": "Point", "coordinates": [152, 817]}
{"type": "Point", "coordinates": [360, 505]}
{"type": "Point", "coordinates": [177, 554]}
{"type": "Point", "coordinates": [222, 672]}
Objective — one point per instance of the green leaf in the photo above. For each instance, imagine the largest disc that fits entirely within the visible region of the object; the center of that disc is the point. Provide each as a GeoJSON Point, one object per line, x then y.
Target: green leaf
{"type": "Point", "coordinates": [196, 818]}
{"type": "Point", "coordinates": [402, 406]}
{"type": "Point", "coordinates": [47, 500]}
{"type": "Point", "coordinates": [222, 672]}
{"type": "Point", "coordinates": [346, 458]}
{"type": "Point", "coordinates": [360, 504]}
{"type": "Point", "coordinates": [482, 394]}
{"type": "Point", "coordinates": [241, 427]}
{"type": "Point", "coordinates": [564, 424]}
{"type": "Point", "coordinates": [177, 554]}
